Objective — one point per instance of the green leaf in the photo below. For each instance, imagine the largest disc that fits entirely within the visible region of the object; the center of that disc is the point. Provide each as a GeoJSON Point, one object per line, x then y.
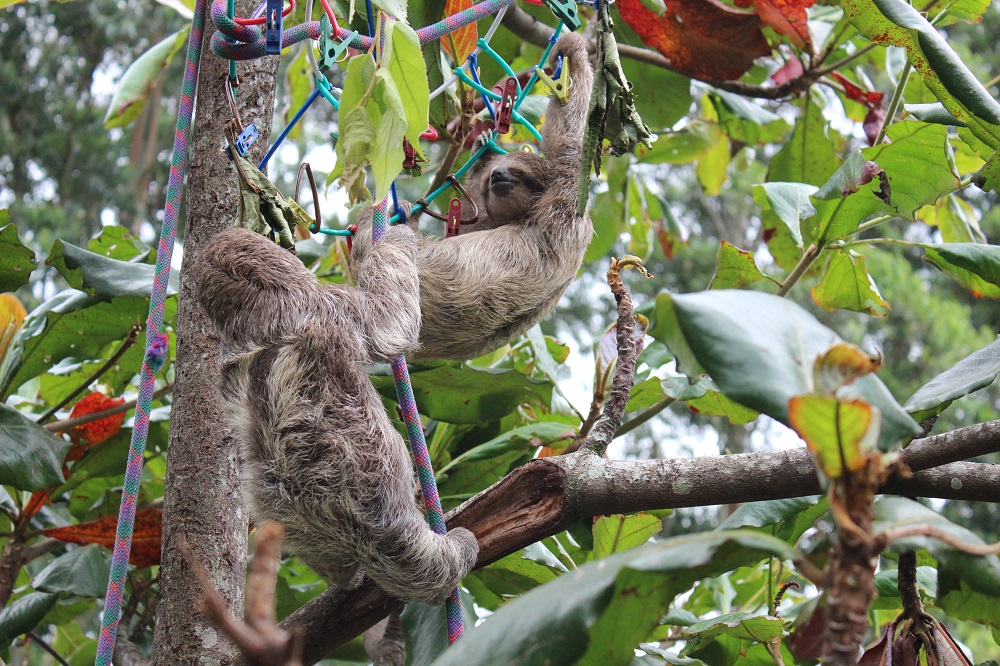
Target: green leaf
{"type": "Point", "coordinates": [734, 268]}
{"type": "Point", "coordinates": [933, 113]}
{"type": "Point", "coordinates": [976, 371]}
{"type": "Point", "coordinates": [16, 260]}
{"type": "Point", "coordinates": [681, 147]}
{"type": "Point", "coordinates": [406, 64]}
{"type": "Point", "coordinates": [300, 83]}
{"type": "Point", "coordinates": [466, 394]}
{"type": "Point", "coordinates": [975, 266]}
{"type": "Point", "coordinates": [24, 614]}
{"type": "Point", "coordinates": [893, 22]}
{"type": "Point", "coordinates": [919, 162]}
{"type": "Point", "coordinates": [139, 80]}
{"type": "Point", "coordinates": [711, 168]}
{"type": "Point", "coordinates": [746, 122]}
{"type": "Point", "coordinates": [846, 285]}
{"type": "Point", "coordinates": [357, 136]}
{"type": "Point", "coordinates": [426, 629]}
{"type": "Point", "coordinates": [30, 456]}
{"type": "Point", "coordinates": [69, 325]}
{"type": "Point", "coordinates": [387, 150]}
{"type": "Point", "coordinates": [809, 156]}
{"type": "Point", "coordinates": [746, 627]}
{"type": "Point", "coordinates": [600, 612]}
{"type": "Point", "coordinates": [788, 202]}
{"type": "Point", "coordinates": [988, 177]}
{"type": "Point", "coordinates": [396, 8]}
{"type": "Point", "coordinates": [617, 533]}
{"type": "Point", "coordinates": [522, 438]}
{"type": "Point", "coordinates": [955, 219]}
{"type": "Point", "coordinates": [118, 243]}
{"type": "Point", "coordinates": [715, 403]}
{"type": "Point", "coordinates": [82, 572]}
{"type": "Point", "coordinates": [761, 350]}
{"type": "Point", "coordinates": [511, 576]}
{"type": "Point", "coordinates": [102, 277]}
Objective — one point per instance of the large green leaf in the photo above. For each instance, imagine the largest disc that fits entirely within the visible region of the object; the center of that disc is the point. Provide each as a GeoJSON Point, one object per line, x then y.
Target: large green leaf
{"type": "Point", "coordinates": [466, 394]}
{"type": "Point", "coordinates": [103, 277]}
{"type": "Point", "coordinates": [975, 266]}
{"type": "Point", "coordinates": [82, 572]}
{"type": "Point", "coordinates": [69, 325]}
{"type": "Point", "coordinates": [24, 614]}
{"type": "Point", "coordinates": [30, 456]}
{"type": "Point", "coordinates": [139, 79]}
{"type": "Point", "coordinates": [809, 156]}
{"type": "Point", "coordinates": [600, 612]}
{"type": "Point", "coordinates": [509, 577]}
{"type": "Point", "coordinates": [387, 148]}
{"type": "Point", "coordinates": [894, 22]}
{"type": "Point", "coordinates": [746, 627]}
{"type": "Point", "coordinates": [617, 533]}
{"type": "Point", "coordinates": [16, 260]}
{"type": "Point", "coordinates": [734, 268]}
{"type": "Point", "coordinates": [760, 350]}
{"type": "Point", "coordinates": [919, 162]}
{"type": "Point", "coordinates": [746, 122]}
{"type": "Point", "coordinates": [523, 438]}
{"type": "Point", "coordinates": [847, 285]}
{"type": "Point", "coordinates": [977, 370]}
{"type": "Point", "coordinates": [406, 63]}
{"type": "Point", "coordinates": [787, 202]}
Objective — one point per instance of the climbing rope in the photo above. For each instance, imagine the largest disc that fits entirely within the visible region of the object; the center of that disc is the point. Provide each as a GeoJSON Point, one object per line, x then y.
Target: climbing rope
{"type": "Point", "coordinates": [156, 346]}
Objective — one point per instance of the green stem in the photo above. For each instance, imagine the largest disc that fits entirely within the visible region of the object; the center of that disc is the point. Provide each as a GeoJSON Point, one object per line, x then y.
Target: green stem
{"type": "Point", "coordinates": [897, 98]}
{"type": "Point", "coordinates": [874, 222]}
{"type": "Point", "coordinates": [875, 241]}
{"type": "Point", "coordinates": [632, 424]}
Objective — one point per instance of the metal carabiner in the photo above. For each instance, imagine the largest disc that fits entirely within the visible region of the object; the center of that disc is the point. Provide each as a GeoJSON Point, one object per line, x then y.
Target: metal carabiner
{"type": "Point", "coordinates": [455, 183]}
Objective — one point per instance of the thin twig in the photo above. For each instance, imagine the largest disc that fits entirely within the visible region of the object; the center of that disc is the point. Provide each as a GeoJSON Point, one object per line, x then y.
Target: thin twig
{"type": "Point", "coordinates": [48, 648]}
{"type": "Point", "coordinates": [935, 533]}
{"type": "Point", "coordinates": [133, 334]}
{"type": "Point", "coordinates": [66, 424]}
{"type": "Point", "coordinates": [897, 98]}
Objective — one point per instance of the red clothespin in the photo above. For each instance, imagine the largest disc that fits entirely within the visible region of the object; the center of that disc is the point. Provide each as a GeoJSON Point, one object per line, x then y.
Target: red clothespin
{"type": "Point", "coordinates": [409, 155]}
{"type": "Point", "coordinates": [454, 222]}
{"type": "Point", "coordinates": [353, 228]}
{"type": "Point", "coordinates": [505, 108]}
{"type": "Point", "coordinates": [431, 134]}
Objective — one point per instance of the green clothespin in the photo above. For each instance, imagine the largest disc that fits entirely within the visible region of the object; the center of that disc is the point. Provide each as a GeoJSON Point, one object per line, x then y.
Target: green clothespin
{"type": "Point", "coordinates": [565, 11]}
{"type": "Point", "coordinates": [559, 86]}
{"type": "Point", "coordinates": [330, 51]}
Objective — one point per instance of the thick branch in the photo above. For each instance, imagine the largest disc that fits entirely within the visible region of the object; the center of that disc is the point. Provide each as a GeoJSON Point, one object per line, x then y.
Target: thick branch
{"type": "Point", "coordinates": [548, 495]}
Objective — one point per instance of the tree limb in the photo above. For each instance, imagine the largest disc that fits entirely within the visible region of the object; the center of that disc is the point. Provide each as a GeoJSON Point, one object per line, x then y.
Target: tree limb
{"type": "Point", "coordinates": [546, 496]}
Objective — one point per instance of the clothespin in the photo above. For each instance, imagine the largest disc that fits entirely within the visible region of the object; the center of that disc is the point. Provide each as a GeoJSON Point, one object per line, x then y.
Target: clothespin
{"type": "Point", "coordinates": [330, 51]}
{"type": "Point", "coordinates": [247, 134]}
{"type": "Point", "coordinates": [353, 228]}
{"type": "Point", "coordinates": [560, 85]}
{"type": "Point", "coordinates": [565, 11]}
{"type": "Point", "coordinates": [409, 155]}
{"type": "Point", "coordinates": [454, 221]}
{"type": "Point", "coordinates": [272, 26]}
{"type": "Point", "coordinates": [505, 108]}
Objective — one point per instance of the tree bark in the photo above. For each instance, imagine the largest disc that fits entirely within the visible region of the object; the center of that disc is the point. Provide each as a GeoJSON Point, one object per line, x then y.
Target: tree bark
{"type": "Point", "coordinates": [202, 501]}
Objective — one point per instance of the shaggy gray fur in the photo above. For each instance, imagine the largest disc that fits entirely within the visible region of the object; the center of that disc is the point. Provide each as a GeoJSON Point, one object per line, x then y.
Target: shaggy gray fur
{"type": "Point", "coordinates": [479, 291]}
{"type": "Point", "coordinates": [318, 451]}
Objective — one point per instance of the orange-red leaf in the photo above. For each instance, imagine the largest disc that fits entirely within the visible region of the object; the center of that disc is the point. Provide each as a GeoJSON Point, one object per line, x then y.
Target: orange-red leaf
{"type": "Point", "coordinates": [102, 429]}
{"type": "Point", "coordinates": [465, 38]}
{"type": "Point", "coordinates": [145, 535]}
{"type": "Point", "coordinates": [786, 17]}
{"type": "Point", "coordinates": [39, 498]}
{"type": "Point", "coordinates": [702, 38]}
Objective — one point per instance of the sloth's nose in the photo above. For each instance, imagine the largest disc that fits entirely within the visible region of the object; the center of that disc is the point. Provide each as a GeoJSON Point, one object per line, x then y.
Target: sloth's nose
{"type": "Point", "coordinates": [500, 175]}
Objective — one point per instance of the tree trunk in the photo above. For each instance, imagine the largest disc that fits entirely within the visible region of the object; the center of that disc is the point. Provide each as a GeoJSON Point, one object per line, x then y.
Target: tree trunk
{"type": "Point", "coordinates": [202, 502]}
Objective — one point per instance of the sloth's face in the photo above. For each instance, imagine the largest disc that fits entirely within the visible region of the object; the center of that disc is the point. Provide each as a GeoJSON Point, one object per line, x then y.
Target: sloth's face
{"type": "Point", "coordinates": [508, 188]}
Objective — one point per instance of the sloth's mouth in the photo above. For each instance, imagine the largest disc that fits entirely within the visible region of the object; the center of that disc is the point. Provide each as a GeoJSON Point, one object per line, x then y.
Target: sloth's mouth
{"type": "Point", "coordinates": [502, 183]}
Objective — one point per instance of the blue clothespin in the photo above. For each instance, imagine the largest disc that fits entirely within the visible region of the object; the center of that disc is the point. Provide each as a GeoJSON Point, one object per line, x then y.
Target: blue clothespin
{"type": "Point", "coordinates": [246, 139]}
{"type": "Point", "coordinates": [272, 29]}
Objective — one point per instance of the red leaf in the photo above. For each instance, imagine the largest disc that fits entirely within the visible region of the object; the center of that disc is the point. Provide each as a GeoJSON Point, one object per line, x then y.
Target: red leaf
{"type": "Point", "coordinates": [787, 18]}
{"type": "Point", "coordinates": [872, 100]}
{"type": "Point", "coordinates": [145, 535]}
{"type": "Point", "coordinates": [465, 38]}
{"type": "Point", "coordinates": [792, 69]}
{"type": "Point", "coordinates": [39, 498]}
{"type": "Point", "coordinates": [702, 38]}
{"type": "Point", "coordinates": [102, 429]}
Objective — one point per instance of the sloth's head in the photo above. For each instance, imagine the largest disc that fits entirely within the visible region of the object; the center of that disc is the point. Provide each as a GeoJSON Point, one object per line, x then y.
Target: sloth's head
{"type": "Point", "coordinates": [508, 187]}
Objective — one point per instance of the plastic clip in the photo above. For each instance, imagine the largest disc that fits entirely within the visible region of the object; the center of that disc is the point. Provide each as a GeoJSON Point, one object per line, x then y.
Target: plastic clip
{"type": "Point", "coordinates": [304, 168]}
{"type": "Point", "coordinates": [559, 85]}
{"type": "Point", "coordinates": [272, 27]}
{"type": "Point", "coordinates": [409, 155]}
{"type": "Point", "coordinates": [505, 108]}
{"type": "Point", "coordinates": [247, 134]}
{"type": "Point", "coordinates": [565, 11]}
{"type": "Point", "coordinates": [330, 51]}
{"type": "Point", "coordinates": [454, 222]}
{"type": "Point", "coordinates": [353, 228]}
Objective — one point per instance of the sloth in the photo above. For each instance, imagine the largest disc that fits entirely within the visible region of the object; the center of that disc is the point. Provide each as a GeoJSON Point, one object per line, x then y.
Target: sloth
{"type": "Point", "coordinates": [479, 291]}
{"type": "Point", "coordinates": [318, 452]}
